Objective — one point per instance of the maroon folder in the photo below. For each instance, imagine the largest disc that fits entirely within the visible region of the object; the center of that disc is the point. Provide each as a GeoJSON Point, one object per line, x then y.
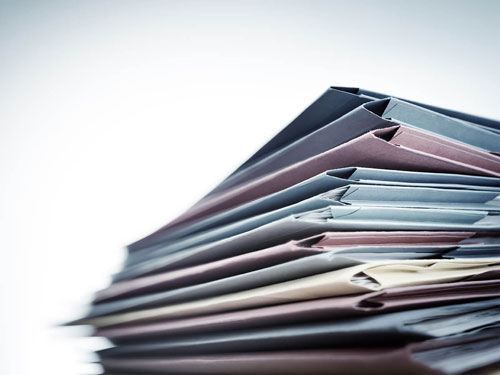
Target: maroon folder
{"type": "Point", "coordinates": [313, 362]}
{"type": "Point", "coordinates": [398, 147]}
{"type": "Point", "coordinates": [424, 358]}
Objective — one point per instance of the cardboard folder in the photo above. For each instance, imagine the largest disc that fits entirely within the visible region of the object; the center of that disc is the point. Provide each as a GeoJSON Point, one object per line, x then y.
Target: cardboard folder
{"type": "Point", "coordinates": [363, 239]}
{"type": "Point", "coordinates": [383, 329]}
{"type": "Point", "coordinates": [415, 197]}
{"type": "Point", "coordinates": [481, 121]}
{"type": "Point", "coordinates": [332, 218]}
{"type": "Point", "coordinates": [321, 183]}
{"type": "Point", "coordinates": [367, 117]}
{"type": "Point", "coordinates": [431, 357]}
{"type": "Point", "coordinates": [323, 262]}
{"type": "Point", "coordinates": [358, 279]}
{"type": "Point", "coordinates": [389, 300]}
{"type": "Point", "coordinates": [275, 255]}
{"type": "Point", "coordinates": [359, 195]}
{"type": "Point", "coordinates": [396, 147]}
{"type": "Point", "coordinates": [329, 260]}
{"type": "Point", "coordinates": [333, 104]}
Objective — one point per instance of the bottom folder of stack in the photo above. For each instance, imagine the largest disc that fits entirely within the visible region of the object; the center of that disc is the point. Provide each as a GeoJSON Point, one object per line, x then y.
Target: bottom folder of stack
{"type": "Point", "coordinates": [362, 239]}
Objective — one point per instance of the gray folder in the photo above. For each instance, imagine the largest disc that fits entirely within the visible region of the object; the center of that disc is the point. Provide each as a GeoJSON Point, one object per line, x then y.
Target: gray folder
{"type": "Point", "coordinates": [303, 267]}
{"type": "Point", "coordinates": [331, 218]}
{"type": "Point", "coordinates": [371, 116]}
{"type": "Point", "coordinates": [380, 330]}
{"type": "Point", "coordinates": [336, 102]}
{"type": "Point", "coordinates": [311, 188]}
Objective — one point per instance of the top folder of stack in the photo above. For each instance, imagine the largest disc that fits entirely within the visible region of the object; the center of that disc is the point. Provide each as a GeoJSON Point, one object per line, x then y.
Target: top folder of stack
{"type": "Point", "coordinates": [364, 238]}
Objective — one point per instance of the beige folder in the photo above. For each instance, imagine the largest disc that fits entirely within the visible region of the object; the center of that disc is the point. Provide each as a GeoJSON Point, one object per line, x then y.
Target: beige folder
{"type": "Point", "coordinates": [358, 279]}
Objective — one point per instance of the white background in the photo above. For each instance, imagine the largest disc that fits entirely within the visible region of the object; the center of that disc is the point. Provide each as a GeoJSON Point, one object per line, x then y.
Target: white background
{"type": "Point", "coordinates": [115, 116]}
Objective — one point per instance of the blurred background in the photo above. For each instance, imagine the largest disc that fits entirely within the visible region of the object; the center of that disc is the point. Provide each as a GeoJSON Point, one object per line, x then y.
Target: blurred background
{"type": "Point", "coordinates": [115, 116]}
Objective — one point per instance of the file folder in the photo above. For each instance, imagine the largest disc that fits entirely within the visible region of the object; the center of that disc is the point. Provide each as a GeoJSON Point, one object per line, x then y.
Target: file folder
{"type": "Point", "coordinates": [431, 357]}
{"type": "Point", "coordinates": [331, 218]}
{"type": "Point", "coordinates": [336, 102]}
{"type": "Point", "coordinates": [280, 254]}
{"type": "Point", "coordinates": [396, 147]}
{"type": "Point", "coordinates": [384, 329]}
{"type": "Point", "coordinates": [364, 238]}
{"type": "Point", "coordinates": [376, 115]}
{"type": "Point", "coordinates": [358, 279]}
{"type": "Point", "coordinates": [389, 300]}
{"type": "Point", "coordinates": [316, 185]}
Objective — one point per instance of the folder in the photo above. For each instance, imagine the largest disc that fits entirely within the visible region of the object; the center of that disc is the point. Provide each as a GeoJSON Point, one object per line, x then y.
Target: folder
{"type": "Point", "coordinates": [474, 251]}
{"type": "Point", "coordinates": [389, 300]}
{"type": "Point", "coordinates": [414, 197]}
{"type": "Point", "coordinates": [363, 238]}
{"type": "Point", "coordinates": [311, 265]}
{"type": "Point", "coordinates": [376, 115]}
{"type": "Point", "coordinates": [331, 260]}
{"type": "Point", "coordinates": [336, 102]}
{"type": "Point", "coordinates": [279, 254]}
{"type": "Point", "coordinates": [358, 279]}
{"type": "Point", "coordinates": [330, 106]}
{"type": "Point", "coordinates": [316, 185]}
{"type": "Point", "coordinates": [331, 218]}
{"type": "Point", "coordinates": [431, 357]}
{"type": "Point", "coordinates": [396, 147]}
{"type": "Point", "coordinates": [477, 120]}
{"type": "Point", "coordinates": [379, 330]}
{"type": "Point", "coordinates": [358, 195]}
{"type": "Point", "coordinates": [468, 133]}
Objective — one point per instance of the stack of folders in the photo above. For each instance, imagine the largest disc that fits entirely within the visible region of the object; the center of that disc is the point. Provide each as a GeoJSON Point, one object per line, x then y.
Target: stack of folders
{"type": "Point", "coordinates": [364, 238]}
